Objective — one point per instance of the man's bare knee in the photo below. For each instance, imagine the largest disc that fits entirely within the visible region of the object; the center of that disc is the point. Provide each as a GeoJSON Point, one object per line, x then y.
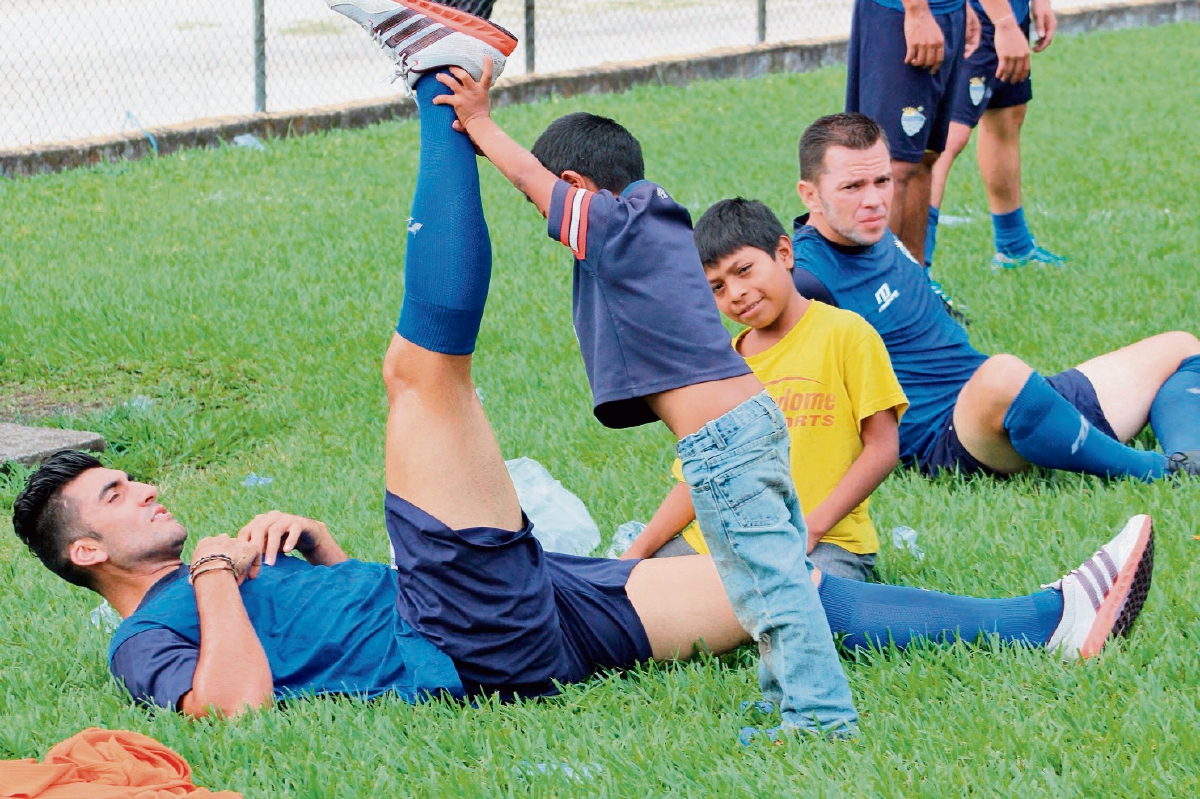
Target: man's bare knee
{"type": "Point", "coordinates": [408, 367]}
{"type": "Point", "coordinates": [1182, 343]}
{"type": "Point", "coordinates": [995, 384]}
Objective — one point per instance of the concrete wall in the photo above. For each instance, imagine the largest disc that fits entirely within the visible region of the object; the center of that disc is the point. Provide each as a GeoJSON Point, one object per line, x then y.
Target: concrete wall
{"type": "Point", "coordinates": [739, 62]}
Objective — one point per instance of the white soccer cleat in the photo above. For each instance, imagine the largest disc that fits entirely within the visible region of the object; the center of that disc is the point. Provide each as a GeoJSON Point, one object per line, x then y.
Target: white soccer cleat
{"type": "Point", "coordinates": [1105, 594]}
{"type": "Point", "coordinates": [420, 35]}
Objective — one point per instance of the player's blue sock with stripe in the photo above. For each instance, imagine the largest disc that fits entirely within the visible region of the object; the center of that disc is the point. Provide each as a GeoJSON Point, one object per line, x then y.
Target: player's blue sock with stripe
{"type": "Point", "coordinates": [1175, 412]}
{"type": "Point", "coordinates": [871, 614]}
{"type": "Point", "coordinates": [1012, 234]}
{"type": "Point", "coordinates": [1046, 430]}
{"type": "Point", "coordinates": [448, 263]}
{"type": "Point", "coordinates": [931, 235]}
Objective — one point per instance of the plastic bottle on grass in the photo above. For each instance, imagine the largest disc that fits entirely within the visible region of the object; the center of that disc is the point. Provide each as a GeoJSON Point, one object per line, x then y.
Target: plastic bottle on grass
{"type": "Point", "coordinates": [623, 538]}
{"type": "Point", "coordinates": [561, 521]}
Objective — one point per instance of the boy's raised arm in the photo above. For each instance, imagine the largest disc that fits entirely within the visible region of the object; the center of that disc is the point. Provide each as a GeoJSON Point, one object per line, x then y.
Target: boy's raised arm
{"type": "Point", "coordinates": [471, 104]}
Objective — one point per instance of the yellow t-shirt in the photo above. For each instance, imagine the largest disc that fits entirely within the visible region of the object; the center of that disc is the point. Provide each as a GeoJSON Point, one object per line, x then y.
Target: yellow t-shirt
{"type": "Point", "coordinates": [827, 374]}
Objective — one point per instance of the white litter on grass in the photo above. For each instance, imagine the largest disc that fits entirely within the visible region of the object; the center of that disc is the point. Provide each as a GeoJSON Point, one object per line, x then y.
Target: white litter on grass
{"type": "Point", "coordinates": [623, 538]}
{"type": "Point", "coordinates": [581, 773]}
{"type": "Point", "coordinates": [951, 219]}
{"type": "Point", "coordinates": [561, 522]}
{"type": "Point", "coordinates": [254, 480]}
{"type": "Point", "coordinates": [248, 140]}
{"type": "Point", "coordinates": [104, 618]}
{"type": "Point", "coordinates": [906, 538]}
{"type": "Point", "coordinates": [139, 403]}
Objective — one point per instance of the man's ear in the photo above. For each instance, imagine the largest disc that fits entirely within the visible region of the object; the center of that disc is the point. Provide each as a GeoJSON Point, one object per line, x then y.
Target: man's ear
{"type": "Point", "coordinates": [579, 181]}
{"type": "Point", "coordinates": [808, 193]}
{"type": "Point", "coordinates": [784, 254]}
{"type": "Point", "coordinates": [85, 552]}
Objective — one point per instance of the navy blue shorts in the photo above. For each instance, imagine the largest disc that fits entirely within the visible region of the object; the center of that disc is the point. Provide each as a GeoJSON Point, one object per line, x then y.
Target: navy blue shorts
{"type": "Point", "coordinates": [947, 452]}
{"type": "Point", "coordinates": [514, 618]}
{"type": "Point", "coordinates": [910, 104]}
{"type": "Point", "coordinates": [977, 88]}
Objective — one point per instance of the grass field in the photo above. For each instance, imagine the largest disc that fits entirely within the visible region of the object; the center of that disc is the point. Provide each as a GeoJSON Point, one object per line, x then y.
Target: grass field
{"type": "Point", "coordinates": [248, 297]}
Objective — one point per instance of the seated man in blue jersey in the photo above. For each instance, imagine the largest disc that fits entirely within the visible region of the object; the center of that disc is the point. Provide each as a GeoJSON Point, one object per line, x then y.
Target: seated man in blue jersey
{"type": "Point", "coordinates": [474, 604]}
{"type": "Point", "coordinates": [967, 410]}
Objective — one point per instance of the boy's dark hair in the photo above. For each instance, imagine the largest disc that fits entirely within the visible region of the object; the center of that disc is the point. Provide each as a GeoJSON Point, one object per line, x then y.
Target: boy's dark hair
{"type": "Point", "coordinates": [45, 521]}
{"type": "Point", "coordinates": [854, 131]}
{"type": "Point", "coordinates": [595, 147]}
{"type": "Point", "coordinates": [732, 224]}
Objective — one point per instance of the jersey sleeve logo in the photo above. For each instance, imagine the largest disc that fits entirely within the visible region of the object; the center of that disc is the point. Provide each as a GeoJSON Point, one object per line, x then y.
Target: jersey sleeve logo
{"type": "Point", "coordinates": [573, 231]}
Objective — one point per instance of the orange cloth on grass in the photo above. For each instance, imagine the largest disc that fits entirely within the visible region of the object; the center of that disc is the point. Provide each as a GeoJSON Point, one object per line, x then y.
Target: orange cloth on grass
{"type": "Point", "coordinates": [104, 764]}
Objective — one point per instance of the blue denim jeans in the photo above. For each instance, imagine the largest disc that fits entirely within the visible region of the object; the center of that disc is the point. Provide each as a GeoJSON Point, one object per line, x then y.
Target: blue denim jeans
{"type": "Point", "coordinates": [740, 476]}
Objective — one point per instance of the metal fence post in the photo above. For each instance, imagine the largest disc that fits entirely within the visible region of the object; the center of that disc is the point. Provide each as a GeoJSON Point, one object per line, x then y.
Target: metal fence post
{"type": "Point", "coordinates": [762, 21]}
{"type": "Point", "coordinates": [260, 56]}
{"type": "Point", "coordinates": [529, 36]}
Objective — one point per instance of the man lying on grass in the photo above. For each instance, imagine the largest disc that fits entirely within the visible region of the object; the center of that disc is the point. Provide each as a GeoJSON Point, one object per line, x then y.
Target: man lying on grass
{"type": "Point", "coordinates": [969, 411]}
{"type": "Point", "coordinates": [474, 606]}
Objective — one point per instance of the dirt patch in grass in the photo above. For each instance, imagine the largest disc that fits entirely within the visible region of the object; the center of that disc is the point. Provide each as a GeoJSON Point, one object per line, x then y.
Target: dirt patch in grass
{"type": "Point", "coordinates": [22, 406]}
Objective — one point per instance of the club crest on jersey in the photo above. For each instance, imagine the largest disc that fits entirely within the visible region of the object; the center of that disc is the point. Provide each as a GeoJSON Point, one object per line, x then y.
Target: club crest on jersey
{"type": "Point", "coordinates": [662, 193]}
{"type": "Point", "coordinates": [912, 120]}
{"type": "Point", "coordinates": [978, 90]}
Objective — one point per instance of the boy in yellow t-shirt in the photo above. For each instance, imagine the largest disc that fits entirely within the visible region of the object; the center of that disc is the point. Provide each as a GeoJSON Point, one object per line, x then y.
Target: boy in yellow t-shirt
{"type": "Point", "coordinates": [828, 371]}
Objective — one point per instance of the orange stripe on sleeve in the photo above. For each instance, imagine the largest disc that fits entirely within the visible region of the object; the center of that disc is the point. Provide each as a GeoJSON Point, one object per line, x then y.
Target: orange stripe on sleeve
{"type": "Point", "coordinates": [564, 229]}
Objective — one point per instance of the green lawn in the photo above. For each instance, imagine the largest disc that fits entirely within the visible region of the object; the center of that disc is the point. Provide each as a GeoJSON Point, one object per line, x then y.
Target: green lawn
{"type": "Point", "coordinates": [249, 297]}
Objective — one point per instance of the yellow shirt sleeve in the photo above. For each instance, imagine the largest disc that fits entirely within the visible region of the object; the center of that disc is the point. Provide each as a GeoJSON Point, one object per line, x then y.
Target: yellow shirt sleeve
{"type": "Point", "coordinates": [869, 378]}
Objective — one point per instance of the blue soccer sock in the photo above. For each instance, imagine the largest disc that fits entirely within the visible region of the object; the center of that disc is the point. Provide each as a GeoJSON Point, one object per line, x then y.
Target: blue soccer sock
{"type": "Point", "coordinates": [931, 235]}
{"type": "Point", "coordinates": [872, 614]}
{"type": "Point", "coordinates": [448, 263]}
{"type": "Point", "coordinates": [1175, 412]}
{"type": "Point", "coordinates": [1012, 234]}
{"type": "Point", "coordinates": [1048, 431]}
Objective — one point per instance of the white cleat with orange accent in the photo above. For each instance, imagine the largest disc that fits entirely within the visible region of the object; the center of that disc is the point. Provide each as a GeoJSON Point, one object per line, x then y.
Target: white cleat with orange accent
{"type": "Point", "coordinates": [420, 36]}
{"type": "Point", "coordinates": [1105, 594]}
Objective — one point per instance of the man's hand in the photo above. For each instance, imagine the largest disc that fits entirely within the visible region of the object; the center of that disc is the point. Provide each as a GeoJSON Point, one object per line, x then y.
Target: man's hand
{"type": "Point", "coordinates": [275, 532]}
{"type": "Point", "coordinates": [470, 99]}
{"type": "Point", "coordinates": [1012, 51]}
{"type": "Point", "coordinates": [923, 38]}
{"type": "Point", "coordinates": [1044, 23]}
{"type": "Point", "coordinates": [247, 558]}
{"type": "Point", "coordinates": [974, 32]}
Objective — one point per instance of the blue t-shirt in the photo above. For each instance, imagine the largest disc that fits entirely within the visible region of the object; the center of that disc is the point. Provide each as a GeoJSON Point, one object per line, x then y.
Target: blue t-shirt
{"type": "Point", "coordinates": [935, 6]}
{"type": "Point", "coordinates": [1020, 9]}
{"type": "Point", "coordinates": [931, 353]}
{"type": "Point", "coordinates": [325, 629]}
{"type": "Point", "coordinates": [644, 313]}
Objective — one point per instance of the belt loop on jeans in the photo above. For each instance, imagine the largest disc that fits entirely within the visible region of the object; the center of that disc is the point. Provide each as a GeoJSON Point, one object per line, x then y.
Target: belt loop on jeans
{"type": "Point", "coordinates": [714, 433]}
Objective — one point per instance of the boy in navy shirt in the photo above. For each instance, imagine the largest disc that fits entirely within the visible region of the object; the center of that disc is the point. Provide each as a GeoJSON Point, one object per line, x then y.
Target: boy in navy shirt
{"type": "Point", "coordinates": [967, 410]}
{"type": "Point", "coordinates": [654, 348]}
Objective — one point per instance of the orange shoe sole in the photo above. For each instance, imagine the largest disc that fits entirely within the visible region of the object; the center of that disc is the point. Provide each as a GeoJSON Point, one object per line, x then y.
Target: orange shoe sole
{"type": "Point", "coordinates": [461, 21]}
{"type": "Point", "coordinates": [1112, 619]}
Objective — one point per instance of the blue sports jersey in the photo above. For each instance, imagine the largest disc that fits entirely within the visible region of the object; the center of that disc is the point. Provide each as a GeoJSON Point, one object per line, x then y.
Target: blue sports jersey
{"type": "Point", "coordinates": [325, 629]}
{"type": "Point", "coordinates": [935, 6]}
{"type": "Point", "coordinates": [644, 313]}
{"type": "Point", "coordinates": [931, 353]}
{"type": "Point", "coordinates": [1020, 9]}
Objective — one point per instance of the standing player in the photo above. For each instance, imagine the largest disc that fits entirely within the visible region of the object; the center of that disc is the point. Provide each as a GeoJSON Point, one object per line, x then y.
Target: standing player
{"type": "Point", "coordinates": [998, 107]}
{"type": "Point", "coordinates": [904, 57]}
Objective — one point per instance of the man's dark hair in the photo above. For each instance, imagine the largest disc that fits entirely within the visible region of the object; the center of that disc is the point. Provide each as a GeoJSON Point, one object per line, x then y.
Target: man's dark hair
{"type": "Point", "coordinates": [854, 131]}
{"type": "Point", "coordinates": [595, 147]}
{"type": "Point", "coordinates": [733, 224]}
{"type": "Point", "coordinates": [46, 521]}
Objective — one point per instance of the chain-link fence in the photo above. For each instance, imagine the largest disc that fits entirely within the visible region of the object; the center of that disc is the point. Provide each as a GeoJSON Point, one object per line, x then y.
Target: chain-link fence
{"type": "Point", "coordinates": [76, 68]}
